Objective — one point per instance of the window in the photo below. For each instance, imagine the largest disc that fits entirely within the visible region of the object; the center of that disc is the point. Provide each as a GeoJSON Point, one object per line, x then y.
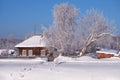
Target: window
{"type": "Point", "coordinates": [43, 53]}
{"type": "Point", "coordinates": [24, 52]}
{"type": "Point", "coordinates": [30, 52]}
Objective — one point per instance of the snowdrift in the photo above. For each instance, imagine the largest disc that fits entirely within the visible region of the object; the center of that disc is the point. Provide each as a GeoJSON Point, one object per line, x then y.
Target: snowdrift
{"type": "Point", "coordinates": [86, 59]}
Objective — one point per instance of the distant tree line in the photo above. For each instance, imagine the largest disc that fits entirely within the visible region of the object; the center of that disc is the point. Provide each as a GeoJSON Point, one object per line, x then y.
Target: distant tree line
{"type": "Point", "coordinates": [9, 43]}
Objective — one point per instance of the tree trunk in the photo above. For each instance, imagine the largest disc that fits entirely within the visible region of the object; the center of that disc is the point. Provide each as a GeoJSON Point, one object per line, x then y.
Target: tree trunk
{"type": "Point", "coordinates": [83, 51]}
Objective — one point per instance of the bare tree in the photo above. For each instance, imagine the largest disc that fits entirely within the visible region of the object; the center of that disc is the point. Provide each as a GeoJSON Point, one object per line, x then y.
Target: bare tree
{"type": "Point", "coordinates": [94, 26]}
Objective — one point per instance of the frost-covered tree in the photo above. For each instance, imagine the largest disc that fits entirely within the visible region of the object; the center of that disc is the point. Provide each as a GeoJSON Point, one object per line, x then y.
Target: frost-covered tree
{"type": "Point", "coordinates": [94, 26]}
{"type": "Point", "coordinates": [69, 32]}
{"type": "Point", "coordinates": [106, 41]}
{"type": "Point", "coordinates": [61, 34]}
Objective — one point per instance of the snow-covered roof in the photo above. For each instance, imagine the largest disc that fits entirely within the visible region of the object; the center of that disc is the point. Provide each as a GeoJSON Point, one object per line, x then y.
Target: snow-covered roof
{"type": "Point", "coordinates": [34, 41]}
{"type": "Point", "coordinates": [105, 51]}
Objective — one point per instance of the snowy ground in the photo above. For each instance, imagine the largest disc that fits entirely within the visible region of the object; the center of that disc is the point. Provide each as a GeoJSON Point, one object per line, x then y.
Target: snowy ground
{"type": "Point", "coordinates": [65, 68]}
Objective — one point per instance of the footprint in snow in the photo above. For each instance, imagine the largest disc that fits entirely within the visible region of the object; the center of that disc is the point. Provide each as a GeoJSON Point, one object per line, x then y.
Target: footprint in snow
{"type": "Point", "coordinates": [21, 75]}
{"type": "Point", "coordinates": [27, 69]}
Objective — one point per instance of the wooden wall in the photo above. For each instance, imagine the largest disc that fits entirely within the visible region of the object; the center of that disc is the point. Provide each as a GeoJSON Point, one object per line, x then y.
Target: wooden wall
{"type": "Point", "coordinates": [102, 55]}
{"type": "Point", "coordinates": [36, 50]}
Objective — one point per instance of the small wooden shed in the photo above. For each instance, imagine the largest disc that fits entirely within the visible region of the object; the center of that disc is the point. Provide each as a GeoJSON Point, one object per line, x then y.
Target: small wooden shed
{"type": "Point", "coordinates": [107, 53]}
{"type": "Point", "coordinates": [33, 47]}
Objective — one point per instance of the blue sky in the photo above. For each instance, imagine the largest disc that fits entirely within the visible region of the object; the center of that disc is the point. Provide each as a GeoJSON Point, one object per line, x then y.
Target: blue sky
{"type": "Point", "coordinates": [18, 17]}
